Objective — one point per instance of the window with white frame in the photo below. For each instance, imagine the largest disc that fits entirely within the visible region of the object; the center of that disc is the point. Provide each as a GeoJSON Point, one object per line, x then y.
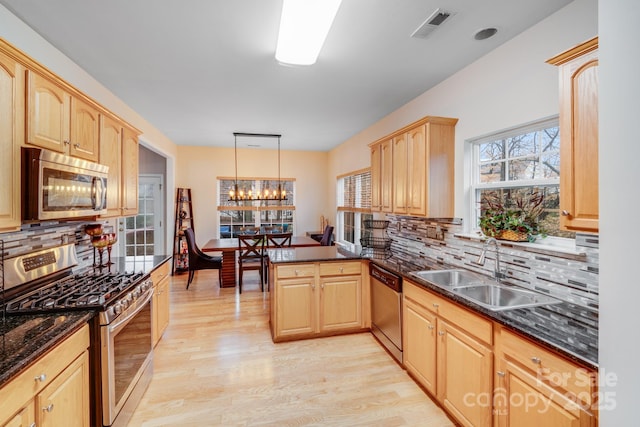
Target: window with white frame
{"type": "Point", "coordinates": [516, 162]}
{"type": "Point", "coordinates": [232, 216]}
{"type": "Point", "coordinates": [354, 205]}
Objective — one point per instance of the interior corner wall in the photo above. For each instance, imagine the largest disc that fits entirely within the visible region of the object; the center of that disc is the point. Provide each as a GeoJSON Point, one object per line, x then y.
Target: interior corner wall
{"type": "Point", "coordinates": [619, 89]}
{"type": "Point", "coordinates": [20, 35]}
{"type": "Point", "coordinates": [199, 167]}
{"type": "Point", "coordinates": [509, 86]}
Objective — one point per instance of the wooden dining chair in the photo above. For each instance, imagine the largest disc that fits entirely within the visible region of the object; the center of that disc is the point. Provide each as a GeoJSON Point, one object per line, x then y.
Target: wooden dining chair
{"type": "Point", "coordinates": [198, 260]}
{"type": "Point", "coordinates": [327, 236]}
{"type": "Point", "coordinates": [275, 240]}
{"type": "Point", "coordinates": [249, 230]}
{"type": "Point", "coordinates": [251, 256]}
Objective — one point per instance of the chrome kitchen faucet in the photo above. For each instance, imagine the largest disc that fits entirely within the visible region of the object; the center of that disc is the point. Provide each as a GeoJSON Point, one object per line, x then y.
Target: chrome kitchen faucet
{"type": "Point", "coordinates": [498, 274]}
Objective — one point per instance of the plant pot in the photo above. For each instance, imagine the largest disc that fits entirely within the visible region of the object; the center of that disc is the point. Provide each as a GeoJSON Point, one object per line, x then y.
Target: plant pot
{"type": "Point", "coordinates": [513, 236]}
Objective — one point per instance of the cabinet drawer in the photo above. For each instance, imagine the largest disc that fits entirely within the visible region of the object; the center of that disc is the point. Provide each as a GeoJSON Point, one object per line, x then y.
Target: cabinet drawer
{"type": "Point", "coordinates": [472, 323]}
{"type": "Point", "coordinates": [339, 268]}
{"type": "Point", "coordinates": [26, 385]}
{"type": "Point", "coordinates": [549, 366]}
{"type": "Point", "coordinates": [295, 270]}
{"type": "Point", "coordinates": [160, 273]}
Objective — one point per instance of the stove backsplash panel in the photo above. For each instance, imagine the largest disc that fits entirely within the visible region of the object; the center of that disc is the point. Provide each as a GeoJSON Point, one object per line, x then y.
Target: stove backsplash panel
{"type": "Point", "coordinates": [571, 277]}
{"type": "Point", "coordinates": [33, 237]}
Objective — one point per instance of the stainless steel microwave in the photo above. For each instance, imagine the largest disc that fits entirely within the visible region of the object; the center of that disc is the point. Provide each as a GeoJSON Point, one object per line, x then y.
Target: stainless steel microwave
{"type": "Point", "coordinates": [55, 186]}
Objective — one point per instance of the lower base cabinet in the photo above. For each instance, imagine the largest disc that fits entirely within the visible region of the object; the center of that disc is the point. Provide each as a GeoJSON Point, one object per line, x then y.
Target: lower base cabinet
{"type": "Point", "coordinates": [536, 387]}
{"type": "Point", "coordinates": [451, 363]}
{"type": "Point", "coordinates": [160, 302]}
{"type": "Point", "coordinates": [484, 374]}
{"type": "Point", "coordinates": [315, 299]}
{"type": "Point", "coordinates": [52, 392]}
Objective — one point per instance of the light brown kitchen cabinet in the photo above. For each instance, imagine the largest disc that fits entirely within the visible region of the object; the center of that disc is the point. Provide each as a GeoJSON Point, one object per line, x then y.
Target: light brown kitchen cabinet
{"type": "Point", "coordinates": [111, 155]}
{"type": "Point", "coordinates": [535, 387]}
{"type": "Point", "coordinates": [422, 172]}
{"type": "Point", "coordinates": [316, 299]}
{"type": "Point", "coordinates": [400, 174]}
{"type": "Point", "coordinates": [54, 390]}
{"type": "Point", "coordinates": [447, 349]}
{"type": "Point", "coordinates": [160, 301]}
{"type": "Point", "coordinates": [382, 176]}
{"type": "Point", "coordinates": [11, 135]}
{"type": "Point", "coordinates": [66, 400]}
{"type": "Point", "coordinates": [24, 418]}
{"type": "Point", "coordinates": [578, 69]}
{"type": "Point", "coordinates": [58, 121]}
{"type": "Point", "coordinates": [129, 172]}
{"type": "Point", "coordinates": [419, 344]}
{"type": "Point", "coordinates": [85, 127]}
{"type": "Point", "coordinates": [119, 150]}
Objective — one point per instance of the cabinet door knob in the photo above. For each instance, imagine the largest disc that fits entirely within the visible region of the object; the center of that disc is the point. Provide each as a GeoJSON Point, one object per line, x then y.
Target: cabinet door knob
{"type": "Point", "coordinates": [436, 305]}
{"type": "Point", "coordinates": [441, 333]}
{"type": "Point", "coordinates": [565, 213]}
{"type": "Point", "coordinates": [500, 373]}
{"type": "Point", "coordinates": [48, 408]}
{"type": "Point", "coordinates": [431, 327]}
{"type": "Point", "coordinates": [536, 360]}
{"type": "Point", "coordinates": [42, 378]}
{"type": "Point", "coordinates": [66, 142]}
{"type": "Point", "coordinates": [341, 269]}
{"type": "Point", "coordinates": [76, 145]}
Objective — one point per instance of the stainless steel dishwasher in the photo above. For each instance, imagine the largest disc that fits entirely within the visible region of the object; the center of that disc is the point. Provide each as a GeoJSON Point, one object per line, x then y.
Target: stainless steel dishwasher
{"type": "Point", "coordinates": [386, 309]}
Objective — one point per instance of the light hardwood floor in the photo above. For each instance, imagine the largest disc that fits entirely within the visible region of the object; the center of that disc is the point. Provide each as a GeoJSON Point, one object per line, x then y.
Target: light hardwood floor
{"type": "Point", "coordinates": [216, 366]}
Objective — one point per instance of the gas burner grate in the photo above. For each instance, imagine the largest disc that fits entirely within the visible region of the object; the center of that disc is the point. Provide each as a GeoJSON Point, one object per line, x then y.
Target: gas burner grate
{"type": "Point", "coordinates": [78, 291]}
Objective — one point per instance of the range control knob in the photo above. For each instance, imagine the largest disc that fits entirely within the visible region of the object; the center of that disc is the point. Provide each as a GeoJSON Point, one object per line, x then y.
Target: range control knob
{"type": "Point", "coordinates": [117, 308]}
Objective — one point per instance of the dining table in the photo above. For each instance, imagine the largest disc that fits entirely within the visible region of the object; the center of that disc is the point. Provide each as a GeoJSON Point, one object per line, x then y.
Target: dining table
{"type": "Point", "coordinates": [229, 247]}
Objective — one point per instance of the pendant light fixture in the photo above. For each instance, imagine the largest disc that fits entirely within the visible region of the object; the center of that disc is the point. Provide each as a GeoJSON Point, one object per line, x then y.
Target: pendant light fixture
{"type": "Point", "coordinates": [237, 194]}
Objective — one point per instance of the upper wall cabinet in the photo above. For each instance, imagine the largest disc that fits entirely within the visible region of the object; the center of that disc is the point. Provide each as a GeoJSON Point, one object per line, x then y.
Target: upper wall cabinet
{"type": "Point", "coordinates": [420, 181]}
{"type": "Point", "coordinates": [11, 133]}
{"type": "Point", "coordinates": [381, 176]}
{"type": "Point", "coordinates": [579, 135]}
{"type": "Point", "coordinates": [59, 122]}
{"type": "Point", "coordinates": [111, 155]}
{"type": "Point", "coordinates": [130, 151]}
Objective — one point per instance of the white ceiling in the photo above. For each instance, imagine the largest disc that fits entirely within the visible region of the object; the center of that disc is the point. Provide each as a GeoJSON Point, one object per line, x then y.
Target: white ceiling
{"type": "Point", "coordinates": [199, 70]}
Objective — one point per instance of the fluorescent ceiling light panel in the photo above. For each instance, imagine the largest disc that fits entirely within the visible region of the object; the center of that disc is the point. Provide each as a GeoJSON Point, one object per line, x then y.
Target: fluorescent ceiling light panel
{"type": "Point", "coordinates": [304, 26]}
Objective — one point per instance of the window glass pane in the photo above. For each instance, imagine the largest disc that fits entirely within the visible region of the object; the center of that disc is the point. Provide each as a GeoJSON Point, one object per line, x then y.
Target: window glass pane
{"type": "Point", "coordinates": [530, 154]}
{"type": "Point", "coordinates": [492, 172]}
{"type": "Point", "coordinates": [550, 165]}
{"type": "Point", "coordinates": [522, 145]}
{"type": "Point", "coordinates": [524, 169]}
{"type": "Point", "coordinates": [491, 151]}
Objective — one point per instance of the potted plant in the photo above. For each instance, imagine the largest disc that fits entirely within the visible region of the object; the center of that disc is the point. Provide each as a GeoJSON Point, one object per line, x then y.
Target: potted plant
{"type": "Point", "coordinates": [515, 219]}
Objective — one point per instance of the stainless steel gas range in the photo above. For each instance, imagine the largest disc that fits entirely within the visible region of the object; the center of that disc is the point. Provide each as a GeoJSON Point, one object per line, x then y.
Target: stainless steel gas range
{"type": "Point", "coordinates": [121, 347]}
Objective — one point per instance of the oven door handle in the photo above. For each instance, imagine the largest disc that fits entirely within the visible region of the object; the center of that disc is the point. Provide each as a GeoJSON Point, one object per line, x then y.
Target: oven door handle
{"type": "Point", "coordinates": [139, 306]}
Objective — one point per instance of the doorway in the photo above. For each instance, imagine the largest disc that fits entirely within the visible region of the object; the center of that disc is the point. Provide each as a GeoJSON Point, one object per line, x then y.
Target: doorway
{"type": "Point", "coordinates": [144, 234]}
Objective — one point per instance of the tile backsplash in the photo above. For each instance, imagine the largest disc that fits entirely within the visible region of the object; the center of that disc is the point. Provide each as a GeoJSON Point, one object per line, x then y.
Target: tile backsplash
{"type": "Point", "coordinates": [568, 275]}
{"type": "Point", "coordinates": [33, 237]}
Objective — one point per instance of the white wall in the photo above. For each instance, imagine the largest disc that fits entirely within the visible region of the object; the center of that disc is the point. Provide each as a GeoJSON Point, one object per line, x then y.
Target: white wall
{"type": "Point", "coordinates": [201, 166]}
{"type": "Point", "coordinates": [619, 204]}
{"type": "Point", "coordinates": [17, 33]}
{"type": "Point", "coordinates": [511, 85]}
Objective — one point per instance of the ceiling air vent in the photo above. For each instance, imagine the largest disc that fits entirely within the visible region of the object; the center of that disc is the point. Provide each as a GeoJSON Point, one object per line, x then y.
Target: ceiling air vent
{"type": "Point", "coordinates": [431, 23]}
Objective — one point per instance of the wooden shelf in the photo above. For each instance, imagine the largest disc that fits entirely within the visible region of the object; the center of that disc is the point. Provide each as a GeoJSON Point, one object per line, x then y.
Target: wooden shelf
{"type": "Point", "coordinates": [183, 204]}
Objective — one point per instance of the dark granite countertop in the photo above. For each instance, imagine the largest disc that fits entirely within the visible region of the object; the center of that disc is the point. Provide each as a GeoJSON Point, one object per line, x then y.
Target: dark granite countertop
{"type": "Point", "coordinates": [310, 254]}
{"type": "Point", "coordinates": [564, 328]}
{"type": "Point", "coordinates": [145, 264]}
{"type": "Point", "coordinates": [24, 339]}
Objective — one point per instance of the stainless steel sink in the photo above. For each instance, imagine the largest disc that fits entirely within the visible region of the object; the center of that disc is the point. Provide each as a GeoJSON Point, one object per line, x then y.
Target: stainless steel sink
{"type": "Point", "coordinates": [448, 278]}
{"type": "Point", "coordinates": [498, 297]}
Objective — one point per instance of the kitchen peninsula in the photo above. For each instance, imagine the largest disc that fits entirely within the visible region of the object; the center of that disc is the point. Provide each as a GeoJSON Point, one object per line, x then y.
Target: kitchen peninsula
{"type": "Point", "coordinates": [317, 291]}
